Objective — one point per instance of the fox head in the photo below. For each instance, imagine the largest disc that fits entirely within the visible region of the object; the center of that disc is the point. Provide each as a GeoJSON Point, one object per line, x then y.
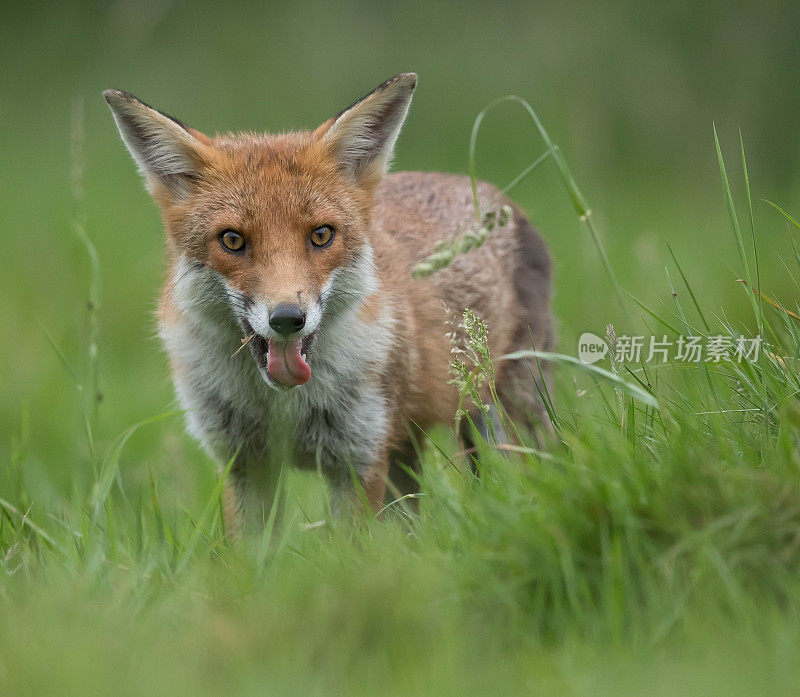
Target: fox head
{"type": "Point", "coordinates": [275, 227]}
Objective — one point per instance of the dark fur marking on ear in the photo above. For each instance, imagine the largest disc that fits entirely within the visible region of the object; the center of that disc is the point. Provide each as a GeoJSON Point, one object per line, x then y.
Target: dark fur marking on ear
{"type": "Point", "coordinates": [379, 88]}
{"type": "Point", "coordinates": [133, 98]}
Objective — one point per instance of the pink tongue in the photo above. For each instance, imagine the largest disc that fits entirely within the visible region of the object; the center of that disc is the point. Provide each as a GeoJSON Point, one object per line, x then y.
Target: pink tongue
{"type": "Point", "coordinates": [286, 364]}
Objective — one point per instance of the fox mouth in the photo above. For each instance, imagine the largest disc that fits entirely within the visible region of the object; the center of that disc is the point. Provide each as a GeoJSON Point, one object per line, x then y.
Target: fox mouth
{"type": "Point", "coordinates": [282, 364]}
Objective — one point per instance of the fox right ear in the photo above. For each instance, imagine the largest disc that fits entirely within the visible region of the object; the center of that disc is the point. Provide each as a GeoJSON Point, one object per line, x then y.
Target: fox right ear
{"type": "Point", "coordinates": [167, 153]}
{"type": "Point", "coordinates": [362, 137]}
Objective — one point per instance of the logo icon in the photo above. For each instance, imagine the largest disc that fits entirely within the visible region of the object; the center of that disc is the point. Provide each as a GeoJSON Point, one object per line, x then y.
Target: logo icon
{"type": "Point", "coordinates": [591, 348]}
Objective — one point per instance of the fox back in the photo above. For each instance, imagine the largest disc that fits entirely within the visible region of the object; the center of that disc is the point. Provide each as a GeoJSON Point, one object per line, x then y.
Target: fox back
{"type": "Point", "coordinates": [294, 327]}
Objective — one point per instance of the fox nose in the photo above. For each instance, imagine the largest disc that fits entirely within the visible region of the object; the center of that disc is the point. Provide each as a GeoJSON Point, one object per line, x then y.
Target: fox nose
{"type": "Point", "coordinates": [287, 319]}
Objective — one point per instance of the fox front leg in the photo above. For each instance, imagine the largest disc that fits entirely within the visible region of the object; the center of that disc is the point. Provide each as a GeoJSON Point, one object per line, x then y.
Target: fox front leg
{"type": "Point", "coordinates": [232, 511]}
{"type": "Point", "coordinates": [252, 499]}
{"type": "Point", "coordinates": [352, 488]}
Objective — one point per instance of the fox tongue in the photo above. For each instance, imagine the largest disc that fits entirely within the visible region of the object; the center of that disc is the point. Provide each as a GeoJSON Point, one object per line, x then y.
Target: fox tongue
{"type": "Point", "coordinates": [286, 364]}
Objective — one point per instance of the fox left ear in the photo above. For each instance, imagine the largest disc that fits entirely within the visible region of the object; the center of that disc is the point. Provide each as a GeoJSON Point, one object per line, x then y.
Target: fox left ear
{"type": "Point", "coordinates": [362, 137]}
{"type": "Point", "coordinates": [167, 152]}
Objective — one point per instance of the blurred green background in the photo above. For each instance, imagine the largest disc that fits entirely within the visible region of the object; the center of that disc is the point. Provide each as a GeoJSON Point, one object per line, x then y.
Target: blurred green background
{"type": "Point", "coordinates": [628, 89]}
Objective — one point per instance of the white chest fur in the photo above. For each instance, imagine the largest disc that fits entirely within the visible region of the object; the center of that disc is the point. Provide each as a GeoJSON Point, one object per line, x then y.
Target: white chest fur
{"type": "Point", "coordinates": [337, 419]}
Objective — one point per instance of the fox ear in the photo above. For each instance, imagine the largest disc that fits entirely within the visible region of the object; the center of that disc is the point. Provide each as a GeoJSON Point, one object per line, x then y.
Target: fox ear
{"type": "Point", "coordinates": [165, 150]}
{"type": "Point", "coordinates": [362, 137]}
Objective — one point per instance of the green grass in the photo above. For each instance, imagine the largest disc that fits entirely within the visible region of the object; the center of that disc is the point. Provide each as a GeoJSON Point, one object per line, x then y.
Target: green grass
{"type": "Point", "coordinates": [654, 549]}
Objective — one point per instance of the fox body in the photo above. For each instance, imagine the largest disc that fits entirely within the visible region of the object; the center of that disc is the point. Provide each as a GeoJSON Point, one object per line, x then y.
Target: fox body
{"type": "Point", "coordinates": [301, 246]}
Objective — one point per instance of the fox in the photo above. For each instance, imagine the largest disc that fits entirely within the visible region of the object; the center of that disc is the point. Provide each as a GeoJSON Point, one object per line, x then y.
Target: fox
{"type": "Point", "coordinates": [298, 248]}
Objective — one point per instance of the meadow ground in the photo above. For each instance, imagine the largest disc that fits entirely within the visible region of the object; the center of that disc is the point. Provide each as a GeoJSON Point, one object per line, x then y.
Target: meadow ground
{"type": "Point", "coordinates": [654, 550]}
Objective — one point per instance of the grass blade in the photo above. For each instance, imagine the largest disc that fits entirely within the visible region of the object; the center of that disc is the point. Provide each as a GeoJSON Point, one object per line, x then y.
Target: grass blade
{"type": "Point", "coordinates": [634, 390]}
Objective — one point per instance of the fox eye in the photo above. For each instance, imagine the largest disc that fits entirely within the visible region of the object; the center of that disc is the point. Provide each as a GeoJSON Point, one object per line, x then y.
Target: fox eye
{"type": "Point", "coordinates": [322, 236]}
{"type": "Point", "coordinates": [232, 241]}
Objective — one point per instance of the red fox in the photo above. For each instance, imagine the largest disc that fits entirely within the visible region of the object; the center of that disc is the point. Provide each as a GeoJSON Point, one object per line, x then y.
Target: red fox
{"type": "Point", "coordinates": [301, 245]}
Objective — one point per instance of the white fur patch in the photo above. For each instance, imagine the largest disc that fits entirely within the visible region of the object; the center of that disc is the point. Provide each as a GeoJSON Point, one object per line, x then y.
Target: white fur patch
{"type": "Point", "coordinates": [341, 412]}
